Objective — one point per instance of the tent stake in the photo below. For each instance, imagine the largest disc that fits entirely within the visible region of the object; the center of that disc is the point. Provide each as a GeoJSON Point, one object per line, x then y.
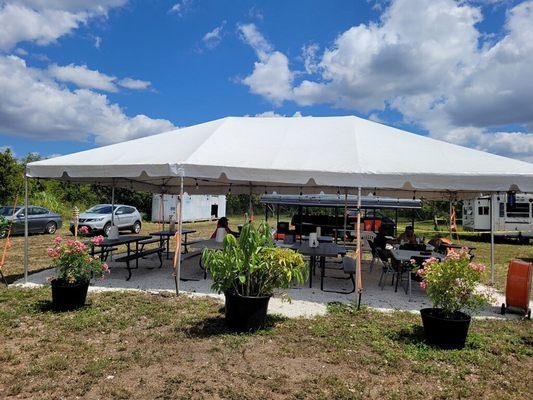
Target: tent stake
{"type": "Point", "coordinates": [26, 228]}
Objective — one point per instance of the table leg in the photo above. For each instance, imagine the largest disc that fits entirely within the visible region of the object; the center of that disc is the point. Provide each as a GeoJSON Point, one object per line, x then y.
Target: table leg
{"type": "Point", "coordinates": [322, 271]}
{"type": "Point", "coordinates": [185, 250]}
{"type": "Point", "coordinates": [311, 269]}
{"type": "Point", "coordinates": [168, 247]}
{"type": "Point", "coordinates": [137, 251]}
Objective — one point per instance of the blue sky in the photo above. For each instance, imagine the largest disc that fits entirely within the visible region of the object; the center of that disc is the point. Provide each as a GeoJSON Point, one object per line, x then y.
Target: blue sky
{"type": "Point", "coordinates": [63, 87]}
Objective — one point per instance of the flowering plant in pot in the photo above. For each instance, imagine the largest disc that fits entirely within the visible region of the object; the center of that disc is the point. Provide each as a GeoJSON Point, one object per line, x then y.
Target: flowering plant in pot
{"type": "Point", "coordinates": [75, 268]}
{"type": "Point", "coordinates": [451, 284]}
{"type": "Point", "coordinates": [248, 270]}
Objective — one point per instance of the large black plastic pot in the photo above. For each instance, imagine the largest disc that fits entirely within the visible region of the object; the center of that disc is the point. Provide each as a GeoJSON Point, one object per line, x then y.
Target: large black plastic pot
{"type": "Point", "coordinates": [441, 330]}
{"type": "Point", "coordinates": [246, 313]}
{"type": "Point", "coordinates": [68, 296]}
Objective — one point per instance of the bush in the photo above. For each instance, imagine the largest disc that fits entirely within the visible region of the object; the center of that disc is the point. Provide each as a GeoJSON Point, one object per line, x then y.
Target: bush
{"type": "Point", "coordinates": [451, 284]}
{"type": "Point", "coordinates": [73, 263]}
{"type": "Point", "coordinates": [252, 265]}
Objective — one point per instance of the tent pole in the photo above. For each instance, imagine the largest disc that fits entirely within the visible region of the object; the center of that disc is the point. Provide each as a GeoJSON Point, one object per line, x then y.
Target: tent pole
{"type": "Point", "coordinates": [450, 224]}
{"type": "Point", "coordinates": [300, 218]}
{"type": "Point", "coordinates": [492, 239]}
{"type": "Point", "coordinates": [396, 223]}
{"type": "Point", "coordinates": [250, 206]}
{"type": "Point", "coordinates": [26, 258]}
{"type": "Point", "coordinates": [344, 233]}
{"type": "Point", "coordinates": [163, 209]}
{"type": "Point", "coordinates": [358, 278]}
{"type": "Point", "coordinates": [113, 203]}
{"type": "Point", "coordinates": [336, 224]}
{"type": "Point", "coordinates": [177, 253]}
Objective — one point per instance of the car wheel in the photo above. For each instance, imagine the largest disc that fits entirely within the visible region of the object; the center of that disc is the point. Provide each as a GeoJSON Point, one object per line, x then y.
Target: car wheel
{"type": "Point", "coordinates": [107, 227]}
{"type": "Point", "coordinates": [136, 228]}
{"type": "Point", "coordinates": [50, 228]}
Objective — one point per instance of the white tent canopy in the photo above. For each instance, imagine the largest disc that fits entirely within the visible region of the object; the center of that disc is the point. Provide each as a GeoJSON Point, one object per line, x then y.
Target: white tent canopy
{"type": "Point", "coordinates": [291, 155]}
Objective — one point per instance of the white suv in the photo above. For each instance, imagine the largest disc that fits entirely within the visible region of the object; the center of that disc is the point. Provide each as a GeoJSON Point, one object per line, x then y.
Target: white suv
{"type": "Point", "coordinates": [98, 219]}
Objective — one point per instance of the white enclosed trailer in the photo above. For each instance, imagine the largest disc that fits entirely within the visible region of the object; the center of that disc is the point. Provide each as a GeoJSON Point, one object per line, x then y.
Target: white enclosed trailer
{"type": "Point", "coordinates": [511, 219]}
{"type": "Point", "coordinates": [195, 207]}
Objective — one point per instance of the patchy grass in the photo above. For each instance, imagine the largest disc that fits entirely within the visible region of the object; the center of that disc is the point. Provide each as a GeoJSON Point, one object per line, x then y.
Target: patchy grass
{"type": "Point", "coordinates": [126, 345]}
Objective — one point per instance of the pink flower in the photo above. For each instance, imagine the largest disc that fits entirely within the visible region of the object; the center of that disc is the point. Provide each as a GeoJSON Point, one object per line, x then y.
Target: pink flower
{"type": "Point", "coordinates": [412, 261]}
{"type": "Point", "coordinates": [105, 267]}
{"type": "Point", "coordinates": [429, 261]}
{"type": "Point", "coordinates": [57, 240]}
{"type": "Point", "coordinates": [420, 272]}
{"type": "Point", "coordinates": [478, 267]}
{"type": "Point", "coordinates": [70, 242]}
{"type": "Point", "coordinates": [97, 240]}
{"type": "Point", "coordinates": [423, 284]}
{"type": "Point", "coordinates": [84, 230]}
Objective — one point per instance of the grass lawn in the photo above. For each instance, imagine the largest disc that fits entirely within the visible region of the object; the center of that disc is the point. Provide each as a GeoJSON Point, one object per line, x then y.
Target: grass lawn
{"type": "Point", "coordinates": [161, 347]}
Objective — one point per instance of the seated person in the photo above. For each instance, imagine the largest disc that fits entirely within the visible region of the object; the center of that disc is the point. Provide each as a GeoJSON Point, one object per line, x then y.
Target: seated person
{"type": "Point", "coordinates": [408, 237]}
{"type": "Point", "coordinates": [380, 240]}
{"type": "Point", "coordinates": [223, 223]}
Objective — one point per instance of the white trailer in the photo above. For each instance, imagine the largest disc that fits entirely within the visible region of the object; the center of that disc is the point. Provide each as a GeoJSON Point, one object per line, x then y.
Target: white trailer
{"type": "Point", "coordinates": [195, 207]}
{"type": "Point", "coordinates": [511, 219]}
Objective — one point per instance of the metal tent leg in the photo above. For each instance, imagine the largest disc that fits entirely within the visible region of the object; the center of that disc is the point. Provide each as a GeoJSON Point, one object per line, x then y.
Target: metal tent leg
{"type": "Point", "coordinates": [26, 244]}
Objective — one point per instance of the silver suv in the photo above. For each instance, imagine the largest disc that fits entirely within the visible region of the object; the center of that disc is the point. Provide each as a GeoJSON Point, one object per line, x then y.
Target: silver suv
{"type": "Point", "coordinates": [98, 219]}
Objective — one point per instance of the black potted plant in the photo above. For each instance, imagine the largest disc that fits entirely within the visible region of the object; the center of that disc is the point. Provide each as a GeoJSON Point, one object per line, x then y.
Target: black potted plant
{"type": "Point", "coordinates": [248, 270]}
{"type": "Point", "coordinates": [75, 268]}
{"type": "Point", "coordinates": [451, 284]}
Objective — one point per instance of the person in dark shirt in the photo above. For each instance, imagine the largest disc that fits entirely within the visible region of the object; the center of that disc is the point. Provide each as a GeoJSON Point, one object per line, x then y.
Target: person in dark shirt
{"type": "Point", "coordinates": [380, 240]}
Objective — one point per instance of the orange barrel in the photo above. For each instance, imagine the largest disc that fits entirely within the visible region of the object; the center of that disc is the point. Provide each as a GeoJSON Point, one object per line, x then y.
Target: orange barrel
{"type": "Point", "coordinates": [518, 288]}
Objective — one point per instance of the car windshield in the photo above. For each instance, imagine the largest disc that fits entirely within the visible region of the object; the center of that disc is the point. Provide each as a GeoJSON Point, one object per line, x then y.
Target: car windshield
{"type": "Point", "coordinates": [8, 211]}
{"type": "Point", "coordinates": [100, 209]}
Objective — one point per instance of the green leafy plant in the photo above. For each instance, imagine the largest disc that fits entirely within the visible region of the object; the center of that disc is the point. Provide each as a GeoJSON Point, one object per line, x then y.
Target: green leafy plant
{"type": "Point", "coordinates": [252, 265]}
{"type": "Point", "coordinates": [452, 284]}
{"type": "Point", "coordinates": [73, 263]}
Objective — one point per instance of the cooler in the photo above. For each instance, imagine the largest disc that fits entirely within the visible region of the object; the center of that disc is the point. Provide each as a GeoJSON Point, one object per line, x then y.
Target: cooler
{"type": "Point", "coordinates": [518, 287]}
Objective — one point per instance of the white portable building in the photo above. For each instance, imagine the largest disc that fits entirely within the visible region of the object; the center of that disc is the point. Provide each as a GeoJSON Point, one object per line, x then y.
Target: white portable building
{"type": "Point", "coordinates": [197, 207]}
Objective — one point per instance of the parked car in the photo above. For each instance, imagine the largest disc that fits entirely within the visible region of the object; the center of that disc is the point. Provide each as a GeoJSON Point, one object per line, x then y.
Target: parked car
{"type": "Point", "coordinates": [40, 219]}
{"type": "Point", "coordinates": [98, 219]}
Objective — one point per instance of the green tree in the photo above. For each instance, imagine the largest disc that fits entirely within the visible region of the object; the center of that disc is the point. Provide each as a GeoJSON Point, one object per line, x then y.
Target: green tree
{"type": "Point", "coordinates": [11, 177]}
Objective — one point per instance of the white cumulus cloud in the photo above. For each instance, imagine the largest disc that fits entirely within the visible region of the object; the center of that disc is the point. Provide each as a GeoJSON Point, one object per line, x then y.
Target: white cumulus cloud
{"type": "Point", "coordinates": [426, 59]}
{"type": "Point", "coordinates": [34, 104]}
{"type": "Point", "coordinates": [43, 22]}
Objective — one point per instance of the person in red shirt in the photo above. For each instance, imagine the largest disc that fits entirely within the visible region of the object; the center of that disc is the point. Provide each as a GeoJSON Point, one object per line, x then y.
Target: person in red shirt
{"type": "Point", "coordinates": [223, 223]}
